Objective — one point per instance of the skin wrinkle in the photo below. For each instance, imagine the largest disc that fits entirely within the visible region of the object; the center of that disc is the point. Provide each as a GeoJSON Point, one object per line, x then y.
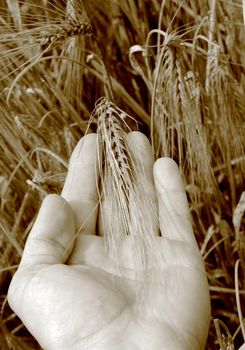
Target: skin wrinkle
{"type": "Point", "coordinates": [83, 268]}
{"type": "Point", "coordinates": [177, 334]}
{"type": "Point", "coordinates": [96, 341]}
{"type": "Point", "coordinates": [126, 332]}
{"type": "Point", "coordinates": [45, 236]}
{"type": "Point", "coordinates": [169, 206]}
{"type": "Point", "coordinates": [95, 333]}
{"type": "Point", "coordinates": [129, 272]}
{"type": "Point", "coordinates": [28, 286]}
{"type": "Point", "coordinates": [182, 334]}
{"type": "Point", "coordinates": [133, 346]}
{"type": "Point", "coordinates": [38, 225]}
{"type": "Point", "coordinates": [177, 228]}
{"type": "Point", "coordinates": [52, 241]}
{"type": "Point", "coordinates": [88, 198]}
{"type": "Point", "coordinates": [82, 226]}
{"type": "Point", "coordinates": [30, 273]}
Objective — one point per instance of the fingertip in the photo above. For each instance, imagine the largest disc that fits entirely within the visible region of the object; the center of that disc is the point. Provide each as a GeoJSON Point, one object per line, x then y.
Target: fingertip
{"type": "Point", "coordinates": [165, 162]}
{"type": "Point", "coordinates": [138, 138]}
{"type": "Point", "coordinates": [140, 149]}
{"type": "Point", "coordinates": [89, 142]}
{"type": "Point", "coordinates": [81, 184]}
{"type": "Point", "coordinates": [55, 219]}
{"type": "Point", "coordinates": [53, 198]}
{"type": "Point", "coordinates": [55, 210]}
{"type": "Point", "coordinates": [167, 174]}
{"type": "Point", "coordinates": [51, 238]}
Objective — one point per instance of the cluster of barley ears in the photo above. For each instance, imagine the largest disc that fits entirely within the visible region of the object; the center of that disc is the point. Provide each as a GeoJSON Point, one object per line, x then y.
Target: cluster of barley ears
{"type": "Point", "coordinates": [177, 67]}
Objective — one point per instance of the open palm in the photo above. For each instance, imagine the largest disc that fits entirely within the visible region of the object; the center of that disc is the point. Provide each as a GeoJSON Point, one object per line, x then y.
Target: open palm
{"type": "Point", "coordinates": [86, 303]}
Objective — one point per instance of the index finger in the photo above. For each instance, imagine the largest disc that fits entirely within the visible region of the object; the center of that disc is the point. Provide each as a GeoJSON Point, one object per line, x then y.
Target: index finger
{"type": "Point", "coordinates": [80, 188]}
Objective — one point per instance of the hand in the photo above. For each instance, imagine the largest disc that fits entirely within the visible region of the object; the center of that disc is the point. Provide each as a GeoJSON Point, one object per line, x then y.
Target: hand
{"type": "Point", "coordinates": [65, 294]}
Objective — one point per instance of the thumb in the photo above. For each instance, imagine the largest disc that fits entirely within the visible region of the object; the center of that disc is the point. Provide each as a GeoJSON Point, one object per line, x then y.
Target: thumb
{"type": "Point", "coordinates": [51, 238]}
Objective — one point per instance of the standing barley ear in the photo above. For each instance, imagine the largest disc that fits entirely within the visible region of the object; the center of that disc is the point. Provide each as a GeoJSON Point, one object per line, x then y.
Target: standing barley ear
{"type": "Point", "coordinates": [42, 31]}
{"type": "Point", "coordinates": [226, 118]}
{"type": "Point", "coordinates": [129, 217]}
{"type": "Point", "coordinates": [177, 115]}
{"type": "Point", "coordinates": [72, 58]}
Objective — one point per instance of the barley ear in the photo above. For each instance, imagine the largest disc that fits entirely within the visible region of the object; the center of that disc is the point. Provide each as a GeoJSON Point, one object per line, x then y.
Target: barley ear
{"type": "Point", "coordinates": [130, 214]}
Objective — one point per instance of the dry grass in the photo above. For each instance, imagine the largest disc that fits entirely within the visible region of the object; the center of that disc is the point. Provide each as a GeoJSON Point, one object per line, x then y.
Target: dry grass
{"type": "Point", "coordinates": [178, 68]}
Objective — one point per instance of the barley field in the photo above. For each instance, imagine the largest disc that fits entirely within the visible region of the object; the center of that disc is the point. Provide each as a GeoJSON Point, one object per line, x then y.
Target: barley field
{"type": "Point", "coordinates": [176, 72]}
